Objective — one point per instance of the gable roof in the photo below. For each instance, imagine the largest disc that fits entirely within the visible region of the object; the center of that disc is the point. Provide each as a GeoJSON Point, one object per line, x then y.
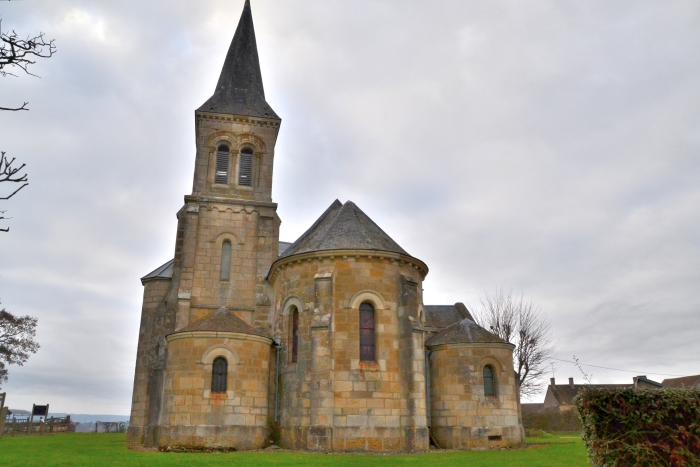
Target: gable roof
{"type": "Point", "coordinates": [464, 332]}
{"type": "Point", "coordinates": [240, 88]}
{"type": "Point", "coordinates": [222, 320]}
{"type": "Point", "coordinates": [343, 227]}
{"type": "Point", "coordinates": [441, 316]}
{"type": "Point", "coordinates": [162, 272]}
{"type": "Point", "coordinates": [565, 393]}
{"type": "Point", "coordinates": [684, 382]}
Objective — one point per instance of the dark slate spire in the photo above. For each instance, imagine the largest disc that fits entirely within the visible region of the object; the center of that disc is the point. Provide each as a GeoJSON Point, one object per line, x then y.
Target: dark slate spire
{"type": "Point", "coordinates": [240, 87]}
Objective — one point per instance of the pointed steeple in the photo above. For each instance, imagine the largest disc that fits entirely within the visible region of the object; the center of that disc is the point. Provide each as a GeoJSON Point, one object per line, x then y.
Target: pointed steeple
{"type": "Point", "coordinates": [240, 87]}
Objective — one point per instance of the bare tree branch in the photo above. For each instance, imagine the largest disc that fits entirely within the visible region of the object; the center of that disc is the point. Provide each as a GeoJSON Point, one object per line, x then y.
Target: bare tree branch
{"type": "Point", "coordinates": [21, 53]}
{"type": "Point", "coordinates": [16, 52]}
{"type": "Point", "coordinates": [11, 174]}
{"type": "Point", "coordinates": [524, 325]}
{"type": "Point", "coordinates": [15, 109]}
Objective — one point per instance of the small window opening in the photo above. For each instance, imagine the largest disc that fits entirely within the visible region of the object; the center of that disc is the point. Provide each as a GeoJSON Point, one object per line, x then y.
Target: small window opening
{"type": "Point", "coordinates": [245, 167]}
{"type": "Point", "coordinates": [222, 162]}
{"type": "Point", "coordinates": [495, 438]}
{"type": "Point", "coordinates": [219, 373]}
{"type": "Point", "coordinates": [489, 381]}
{"type": "Point", "coordinates": [225, 260]}
{"type": "Point", "coordinates": [367, 344]}
{"type": "Point", "coordinates": [295, 334]}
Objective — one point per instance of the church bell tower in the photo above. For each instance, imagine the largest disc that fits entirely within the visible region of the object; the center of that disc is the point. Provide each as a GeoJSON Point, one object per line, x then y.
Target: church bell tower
{"type": "Point", "coordinates": [227, 233]}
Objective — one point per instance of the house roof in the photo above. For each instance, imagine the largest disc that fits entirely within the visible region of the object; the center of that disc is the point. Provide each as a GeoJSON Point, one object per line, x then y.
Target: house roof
{"type": "Point", "coordinates": [684, 382]}
{"type": "Point", "coordinates": [464, 332]}
{"type": "Point", "coordinates": [565, 393]}
{"type": "Point", "coordinates": [441, 316]}
{"type": "Point", "coordinates": [343, 227]}
{"type": "Point", "coordinates": [222, 320]}
{"type": "Point", "coordinates": [240, 88]}
{"type": "Point", "coordinates": [162, 272]}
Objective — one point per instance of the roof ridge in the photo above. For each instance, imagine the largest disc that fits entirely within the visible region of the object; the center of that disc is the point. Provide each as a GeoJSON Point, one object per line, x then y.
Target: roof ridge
{"type": "Point", "coordinates": [313, 227]}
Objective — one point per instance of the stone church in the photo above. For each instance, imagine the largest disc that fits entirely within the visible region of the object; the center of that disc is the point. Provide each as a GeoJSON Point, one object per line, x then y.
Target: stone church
{"type": "Point", "coordinates": [323, 344]}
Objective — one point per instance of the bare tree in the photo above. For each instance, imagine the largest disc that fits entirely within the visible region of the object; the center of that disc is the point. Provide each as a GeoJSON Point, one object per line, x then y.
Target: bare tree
{"type": "Point", "coordinates": [16, 52]}
{"type": "Point", "coordinates": [19, 53]}
{"type": "Point", "coordinates": [522, 323]}
{"type": "Point", "coordinates": [16, 340]}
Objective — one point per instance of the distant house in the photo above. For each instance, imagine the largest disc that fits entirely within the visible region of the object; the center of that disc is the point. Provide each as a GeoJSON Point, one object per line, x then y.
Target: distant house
{"type": "Point", "coordinates": [685, 382]}
{"type": "Point", "coordinates": [560, 396]}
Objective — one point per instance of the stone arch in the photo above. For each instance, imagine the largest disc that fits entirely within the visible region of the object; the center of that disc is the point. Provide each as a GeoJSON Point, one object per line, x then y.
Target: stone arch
{"type": "Point", "coordinates": [219, 350]}
{"type": "Point", "coordinates": [249, 139]}
{"type": "Point", "coordinates": [227, 235]}
{"type": "Point", "coordinates": [495, 363]}
{"type": "Point", "coordinates": [370, 296]}
{"type": "Point", "coordinates": [421, 315]}
{"type": "Point", "coordinates": [292, 300]}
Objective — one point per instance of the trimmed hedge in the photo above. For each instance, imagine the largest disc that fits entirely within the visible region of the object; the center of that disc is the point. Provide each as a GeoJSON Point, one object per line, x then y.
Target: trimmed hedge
{"type": "Point", "coordinates": [640, 427]}
{"type": "Point", "coordinates": [551, 420]}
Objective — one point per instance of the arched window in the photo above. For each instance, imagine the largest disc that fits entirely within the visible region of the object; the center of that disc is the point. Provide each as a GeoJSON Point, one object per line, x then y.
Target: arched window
{"type": "Point", "coordinates": [295, 334]}
{"type": "Point", "coordinates": [367, 346]}
{"type": "Point", "coordinates": [245, 167]}
{"type": "Point", "coordinates": [222, 162]}
{"type": "Point", "coordinates": [225, 260]}
{"type": "Point", "coordinates": [489, 381]}
{"type": "Point", "coordinates": [218, 375]}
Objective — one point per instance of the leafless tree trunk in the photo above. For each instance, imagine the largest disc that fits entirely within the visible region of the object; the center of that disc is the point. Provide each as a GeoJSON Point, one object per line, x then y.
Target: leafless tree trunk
{"type": "Point", "coordinates": [523, 324]}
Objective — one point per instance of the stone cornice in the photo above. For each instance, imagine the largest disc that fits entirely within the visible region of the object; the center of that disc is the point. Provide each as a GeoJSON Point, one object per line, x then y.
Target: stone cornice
{"type": "Point", "coordinates": [257, 121]}
{"type": "Point", "coordinates": [216, 334]}
{"type": "Point", "coordinates": [397, 258]}
{"type": "Point", "coordinates": [478, 345]}
{"type": "Point", "coordinates": [208, 199]}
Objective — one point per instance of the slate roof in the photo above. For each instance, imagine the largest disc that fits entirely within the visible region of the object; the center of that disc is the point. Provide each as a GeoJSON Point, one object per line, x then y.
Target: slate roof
{"type": "Point", "coordinates": [283, 246]}
{"type": "Point", "coordinates": [464, 332]}
{"type": "Point", "coordinates": [222, 320]}
{"type": "Point", "coordinates": [684, 382]}
{"type": "Point", "coordinates": [441, 316]}
{"type": "Point", "coordinates": [343, 227]}
{"type": "Point", "coordinates": [162, 272]}
{"type": "Point", "coordinates": [565, 393]}
{"type": "Point", "coordinates": [240, 88]}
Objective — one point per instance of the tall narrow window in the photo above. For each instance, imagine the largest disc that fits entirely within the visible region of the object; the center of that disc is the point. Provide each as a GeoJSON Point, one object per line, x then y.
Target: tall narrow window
{"type": "Point", "coordinates": [367, 347]}
{"type": "Point", "coordinates": [222, 161]}
{"type": "Point", "coordinates": [245, 167]}
{"type": "Point", "coordinates": [218, 375]}
{"type": "Point", "coordinates": [225, 260]}
{"type": "Point", "coordinates": [489, 381]}
{"type": "Point", "coordinates": [295, 334]}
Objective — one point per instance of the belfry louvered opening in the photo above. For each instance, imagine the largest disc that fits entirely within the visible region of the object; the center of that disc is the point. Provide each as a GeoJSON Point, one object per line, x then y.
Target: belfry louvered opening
{"type": "Point", "coordinates": [245, 167]}
{"type": "Point", "coordinates": [223, 156]}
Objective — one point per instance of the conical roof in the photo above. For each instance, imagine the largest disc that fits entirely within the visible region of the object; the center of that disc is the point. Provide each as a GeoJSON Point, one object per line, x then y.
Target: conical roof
{"type": "Point", "coordinates": [343, 227]}
{"type": "Point", "coordinates": [464, 332]}
{"type": "Point", "coordinates": [222, 320]}
{"type": "Point", "coordinates": [240, 87]}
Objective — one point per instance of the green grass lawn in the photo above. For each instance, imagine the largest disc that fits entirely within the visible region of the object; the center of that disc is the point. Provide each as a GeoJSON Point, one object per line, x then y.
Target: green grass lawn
{"type": "Point", "coordinates": [79, 449]}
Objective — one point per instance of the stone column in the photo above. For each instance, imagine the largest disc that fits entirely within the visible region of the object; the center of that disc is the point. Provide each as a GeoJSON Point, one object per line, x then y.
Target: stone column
{"type": "Point", "coordinates": [321, 431]}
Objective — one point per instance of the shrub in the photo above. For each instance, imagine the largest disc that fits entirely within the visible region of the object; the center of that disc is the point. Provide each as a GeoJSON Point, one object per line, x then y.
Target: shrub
{"type": "Point", "coordinates": [637, 427]}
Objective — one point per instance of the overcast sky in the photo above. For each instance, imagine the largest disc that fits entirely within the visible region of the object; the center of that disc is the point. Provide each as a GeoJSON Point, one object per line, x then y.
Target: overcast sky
{"type": "Point", "coordinates": [546, 146]}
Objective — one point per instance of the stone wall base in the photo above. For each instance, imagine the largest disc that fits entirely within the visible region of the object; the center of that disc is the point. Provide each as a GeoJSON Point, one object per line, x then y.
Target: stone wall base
{"type": "Point", "coordinates": [240, 438]}
{"type": "Point", "coordinates": [354, 439]}
{"type": "Point", "coordinates": [457, 437]}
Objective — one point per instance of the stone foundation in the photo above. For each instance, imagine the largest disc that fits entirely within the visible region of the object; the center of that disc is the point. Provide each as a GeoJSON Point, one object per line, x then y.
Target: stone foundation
{"type": "Point", "coordinates": [457, 437]}
{"type": "Point", "coordinates": [354, 439]}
